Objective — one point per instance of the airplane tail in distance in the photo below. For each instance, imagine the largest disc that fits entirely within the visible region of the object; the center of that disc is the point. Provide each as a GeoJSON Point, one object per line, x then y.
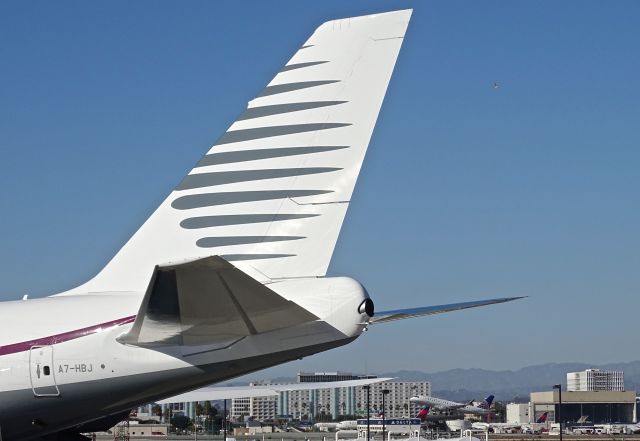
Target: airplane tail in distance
{"type": "Point", "coordinates": [423, 413]}
{"type": "Point", "coordinates": [271, 194]}
{"type": "Point", "coordinates": [542, 418]}
{"type": "Point", "coordinates": [486, 403]}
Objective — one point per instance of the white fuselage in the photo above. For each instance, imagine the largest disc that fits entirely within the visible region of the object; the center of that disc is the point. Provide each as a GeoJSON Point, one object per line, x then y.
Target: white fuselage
{"type": "Point", "coordinates": [228, 275]}
{"type": "Point", "coordinates": [439, 403]}
{"type": "Point", "coordinates": [61, 364]}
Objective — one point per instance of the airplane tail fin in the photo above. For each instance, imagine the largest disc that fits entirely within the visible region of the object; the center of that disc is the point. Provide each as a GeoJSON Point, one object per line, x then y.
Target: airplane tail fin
{"type": "Point", "coordinates": [271, 194]}
{"type": "Point", "coordinates": [423, 413]}
{"type": "Point", "coordinates": [542, 418]}
{"type": "Point", "coordinates": [486, 403]}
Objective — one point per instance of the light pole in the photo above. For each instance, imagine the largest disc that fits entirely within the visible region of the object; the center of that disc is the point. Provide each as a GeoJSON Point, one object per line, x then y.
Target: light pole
{"type": "Point", "coordinates": [559, 387]}
{"type": "Point", "coordinates": [384, 393]}
{"type": "Point", "coordinates": [368, 389]}
{"type": "Point", "coordinates": [224, 420]}
{"type": "Point", "coordinates": [409, 413]}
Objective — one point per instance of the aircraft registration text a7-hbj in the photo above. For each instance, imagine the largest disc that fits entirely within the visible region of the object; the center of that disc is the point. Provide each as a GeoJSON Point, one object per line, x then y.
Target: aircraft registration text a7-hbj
{"type": "Point", "coordinates": [228, 275]}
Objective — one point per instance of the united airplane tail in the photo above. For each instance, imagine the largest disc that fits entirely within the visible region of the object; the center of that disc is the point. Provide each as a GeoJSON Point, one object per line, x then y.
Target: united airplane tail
{"type": "Point", "coordinates": [486, 403]}
{"type": "Point", "coordinates": [271, 194]}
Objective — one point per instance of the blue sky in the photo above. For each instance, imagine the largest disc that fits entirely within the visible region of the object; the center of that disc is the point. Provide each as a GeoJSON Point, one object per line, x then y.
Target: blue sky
{"type": "Point", "coordinates": [467, 191]}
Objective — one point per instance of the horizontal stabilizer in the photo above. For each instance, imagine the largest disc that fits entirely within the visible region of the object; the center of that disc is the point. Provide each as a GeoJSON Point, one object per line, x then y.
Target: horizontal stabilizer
{"type": "Point", "coordinates": [230, 392]}
{"type": "Point", "coordinates": [209, 302]}
{"type": "Point", "coordinates": [398, 314]}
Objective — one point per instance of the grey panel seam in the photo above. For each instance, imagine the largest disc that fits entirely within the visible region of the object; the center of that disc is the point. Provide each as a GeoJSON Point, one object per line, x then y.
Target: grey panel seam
{"type": "Point", "coordinates": [277, 109]}
{"type": "Point", "coordinates": [258, 154]}
{"type": "Point", "coordinates": [222, 348]}
{"type": "Point", "coordinates": [245, 318]}
{"type": "Point", "coordinates": [271, 131]}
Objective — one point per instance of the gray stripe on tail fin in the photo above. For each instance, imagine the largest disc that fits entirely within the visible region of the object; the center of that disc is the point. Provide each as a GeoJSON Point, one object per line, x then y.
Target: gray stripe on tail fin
{"type": "Point", "coordinates": [301, 65]}
{"type": "Point", "coordinates": [237, 219]}
{"type": "Point", "coordinates": [271, 131]}
{"type": "Point", "coordinates": [257, 154]}
{"type": "Point", "coordinates": [277, 109]}
{"type": "Point", "coordinates": [200, 180]}
{"type": "Point", "coordinates": [234, 197]}
{"type": "Point", "coordinates": [223, 241]}
{"type": "Point", "coordinates": [290, 87]}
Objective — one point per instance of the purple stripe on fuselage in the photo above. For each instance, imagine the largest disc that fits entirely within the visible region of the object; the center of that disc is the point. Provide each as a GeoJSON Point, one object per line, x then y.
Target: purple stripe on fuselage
{"type": "Point", "coordinates": [65, 336]}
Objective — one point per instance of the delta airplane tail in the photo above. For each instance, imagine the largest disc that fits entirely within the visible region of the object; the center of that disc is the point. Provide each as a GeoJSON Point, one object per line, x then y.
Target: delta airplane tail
{"type": "Point", "coordinates": [542, 418]}
{"type": "Point", "coordinates": [424, 412]}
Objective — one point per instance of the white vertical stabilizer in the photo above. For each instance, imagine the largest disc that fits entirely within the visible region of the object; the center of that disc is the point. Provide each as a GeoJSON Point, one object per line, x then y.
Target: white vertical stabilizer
{"type": "Point", "coordinates": [271, 194]}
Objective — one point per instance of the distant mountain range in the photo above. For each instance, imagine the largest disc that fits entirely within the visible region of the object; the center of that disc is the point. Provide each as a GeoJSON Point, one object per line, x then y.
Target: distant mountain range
{"type": "Point", "coordinates": [515, 385]}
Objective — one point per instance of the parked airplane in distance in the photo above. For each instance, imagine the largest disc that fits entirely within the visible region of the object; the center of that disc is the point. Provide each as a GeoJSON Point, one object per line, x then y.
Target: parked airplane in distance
{"type": "Point", "coordinates": [439, 403]}
{"type": "Point", "coordinates": [542, 418]}
{"type": "Point", "coordinates": [534, 428]}
{"type": "Point", "coordinates": [424, 412]}
{"type": "Point", "coordinates": [229, 275]}
{"type": "Point", "coordinates": [632, 429]}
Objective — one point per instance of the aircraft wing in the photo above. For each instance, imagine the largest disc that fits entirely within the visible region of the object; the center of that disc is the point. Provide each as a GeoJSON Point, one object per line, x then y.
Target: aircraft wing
{"type": "Point", "coordinates": [228, 392]}
{"type": "Point", "coordinates": [399, 314]}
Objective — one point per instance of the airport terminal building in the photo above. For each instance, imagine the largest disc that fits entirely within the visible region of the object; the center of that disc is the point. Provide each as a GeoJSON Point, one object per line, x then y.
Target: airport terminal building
{"type": "Point", "coordinates": [597, 407]}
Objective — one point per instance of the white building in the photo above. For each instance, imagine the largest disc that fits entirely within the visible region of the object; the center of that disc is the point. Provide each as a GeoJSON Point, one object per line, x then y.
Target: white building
{"type": "Point", "coordinates": [260, 408]}
{"type": "Point", "coordinates": [264, 408]}
{"type": "Point", "coordinates": [331, 403]}
{"type": "Point", "coordinates": [518, 413]}
{"type": "Point", "coordinates": [328, 404]}
{"type": "Point", "coordinates": [397, 400]}
{"type": "Point", "coordinates": [187, 409]}
{"type": "Point", "coordinates": [595, 380]}
{"type": "Point", "coordinates": [240, 408]}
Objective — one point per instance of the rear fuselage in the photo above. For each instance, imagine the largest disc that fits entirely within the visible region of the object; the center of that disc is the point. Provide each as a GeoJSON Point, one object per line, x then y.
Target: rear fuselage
{"type": "Point", "coordinates": [62, 366]}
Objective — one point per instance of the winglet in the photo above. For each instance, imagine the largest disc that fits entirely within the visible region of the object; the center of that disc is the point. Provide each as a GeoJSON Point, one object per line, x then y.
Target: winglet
{"type": "Point", "coordinates": [399, 314]}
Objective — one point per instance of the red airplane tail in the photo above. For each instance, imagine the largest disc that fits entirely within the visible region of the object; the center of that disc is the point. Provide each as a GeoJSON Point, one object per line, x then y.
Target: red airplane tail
{"type": "Point", "coordinates": [542, 418]}
{"type": "Point", "coordinates": [423, 413]}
